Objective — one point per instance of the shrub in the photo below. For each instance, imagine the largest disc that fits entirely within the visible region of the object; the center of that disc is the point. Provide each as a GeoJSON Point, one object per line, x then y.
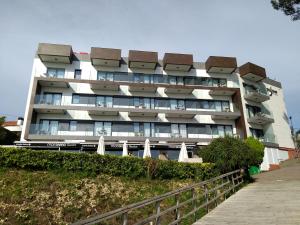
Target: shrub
{"type": "Point", "coordinates": [256, 152]}
{"type": "Point", "coordinates": [94, 164]}
{"type": "Point", "coordinates": [227, 153]}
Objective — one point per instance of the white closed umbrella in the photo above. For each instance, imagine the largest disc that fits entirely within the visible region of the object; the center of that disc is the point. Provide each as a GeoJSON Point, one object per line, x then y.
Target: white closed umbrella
{"type": "Point", "coordinates": [183, 153]}
{"type": "Point", "coordinates": [125, 149]}
{"type": "Point", "coordinates": [101, 146]}
{"type": "Point", "coordinates": [147, 152]}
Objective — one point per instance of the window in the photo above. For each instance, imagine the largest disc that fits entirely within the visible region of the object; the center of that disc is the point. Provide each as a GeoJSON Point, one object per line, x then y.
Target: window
{"type": "Point", "coordinates": [77, 74]}
{"type": "Point", "coordinates": [55, 72]}
{"type": "Point", "coordinates": [105, 76]}
{"type": "Point", "coordinates": [122, 127]}
{"type": "Point", "coordinates": [162, 128]}
{"type": "Point", "coordinates": [63, 126]}
{"type": "Point", "coordinates": [83, 126]}
{"type": "Point", "coordinates": [252, 110]}
{"type": "Point", "coordinates": [75, 99]}
{"type": "Point", "coordinates": [257, 133]}
{"type": "Point", "coordinates": [198, 129]}
{"type": "Point", "coordinates": [164, 103]}
{"type": "Point", "coordinates": [51, 98]}
{"type": "Point", "coordinates": [192, 104]}
{"type": "Point", "coordinates": [83, 99]}
{"type": "Point", "coordinates": [122, 101]}
{"type": "Point", "coordinates": [73, 125]}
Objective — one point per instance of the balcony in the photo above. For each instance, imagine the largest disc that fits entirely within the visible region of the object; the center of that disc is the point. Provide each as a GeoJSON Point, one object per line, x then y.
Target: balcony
{"type": "Point", "coordinates": [222, 91]}
{"type": "Point", "coordinates": [55, 53]}
{"type": "Point", "coordinates": [142, 113]}
{"type": "Point", "coordinates": [142, 59]}
{"type": "Point", "coordinates": [219, 64]}
{"type": "Point", "coordinates": [178, 62]}
{"type": "Point", "coordinates": [269, 140]}
{"type": "Point", "coordinates": [106, 57]}
{"type": "Point", "coordinates": [258, 95]}
{"type": "Point", "coordinates": [104, 85]}
{"type": "Point", "coordinates": [252, 72]}
{"type": "Point", "coordinates": [181, 114]}
{"type": "Point", "coordinates": [226, 114]}
{"type": "Point", "coordinates": [142, 87]}
{"type": "Point", "coordinates": [45, 81]}
{"type": "Point", "coordinates": [179, 89]}
{"type": "Point", "coordinates": [261, 118]}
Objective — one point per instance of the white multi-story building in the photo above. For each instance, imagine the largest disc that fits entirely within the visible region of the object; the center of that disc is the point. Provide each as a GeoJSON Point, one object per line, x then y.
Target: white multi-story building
{"type": "Point", "coordinates": [74, 98]}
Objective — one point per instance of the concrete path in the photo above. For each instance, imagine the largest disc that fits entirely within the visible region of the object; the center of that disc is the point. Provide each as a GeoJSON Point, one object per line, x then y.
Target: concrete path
{"type": "Point", "coordinates": [273, 199]}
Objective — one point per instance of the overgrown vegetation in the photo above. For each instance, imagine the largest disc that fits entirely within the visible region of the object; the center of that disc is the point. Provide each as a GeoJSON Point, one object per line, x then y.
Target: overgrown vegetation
{"type": "Point", "coordinates": [61, 197]}
{"type": "Point", "coordinates": [93, 164]}
{"type": "Point", "coordinates": [231, 153]}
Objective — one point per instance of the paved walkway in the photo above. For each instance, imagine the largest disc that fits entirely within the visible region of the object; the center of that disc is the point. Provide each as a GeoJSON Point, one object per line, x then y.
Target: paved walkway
{"type": "Point", "coordinates": [273, 199]}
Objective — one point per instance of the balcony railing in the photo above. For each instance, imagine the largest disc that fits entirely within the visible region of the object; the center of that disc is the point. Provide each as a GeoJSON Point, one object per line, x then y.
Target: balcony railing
{"type": "Point", "coordinates": [44, 100]}
{"type": "Point", "coordinates": [89, 130]}
{"type": "Point", "coordinates": [268, 138]}
{"type": "Point", "coordinates": [151, 79]}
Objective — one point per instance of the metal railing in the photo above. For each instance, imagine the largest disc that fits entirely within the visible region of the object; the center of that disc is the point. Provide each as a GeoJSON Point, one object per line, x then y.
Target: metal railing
{"type": "Point", "coordinates": [189, 202]}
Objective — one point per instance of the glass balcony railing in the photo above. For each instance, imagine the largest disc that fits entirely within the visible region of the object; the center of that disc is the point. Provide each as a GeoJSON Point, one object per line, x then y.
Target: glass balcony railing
{"type": "Point", "coordinates": [57, 129]}
{"type": "Point", "coordinates": [261, 91]}
{"type": "Point", "coordinates": [53, 99]}
{"type": "Point", "coordinates": [270, 138]}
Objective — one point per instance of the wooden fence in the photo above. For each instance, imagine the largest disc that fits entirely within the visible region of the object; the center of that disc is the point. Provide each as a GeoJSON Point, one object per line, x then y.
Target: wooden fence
{"type": "Point", "coordinates": [190, 202]}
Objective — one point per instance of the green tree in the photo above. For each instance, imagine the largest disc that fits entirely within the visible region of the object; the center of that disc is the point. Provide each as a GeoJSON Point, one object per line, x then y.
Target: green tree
{"type": "Point", "coordinates": [231, 153]}
{"type": "Point", "coordinates": [289, 7]}
{"type": "Point", "coordinates": [227, 153]}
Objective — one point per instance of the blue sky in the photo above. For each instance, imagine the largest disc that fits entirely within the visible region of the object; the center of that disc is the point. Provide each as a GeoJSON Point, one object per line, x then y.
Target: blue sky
{"type": "Point", "coordinates": [249, 30]}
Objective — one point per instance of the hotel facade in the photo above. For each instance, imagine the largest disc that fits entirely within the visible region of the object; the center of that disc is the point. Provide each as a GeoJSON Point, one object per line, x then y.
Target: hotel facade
{"type": "Point", "coordinates": [74, 98]}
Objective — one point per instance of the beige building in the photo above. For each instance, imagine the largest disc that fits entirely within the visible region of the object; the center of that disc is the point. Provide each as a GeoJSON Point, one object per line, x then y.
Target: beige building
{"type": "Point", "coordinates": [74, 98]}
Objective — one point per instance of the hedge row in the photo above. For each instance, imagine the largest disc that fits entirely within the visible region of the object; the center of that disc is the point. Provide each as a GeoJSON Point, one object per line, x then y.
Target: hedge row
{"type": "Point", "coordinates": [94, 164]}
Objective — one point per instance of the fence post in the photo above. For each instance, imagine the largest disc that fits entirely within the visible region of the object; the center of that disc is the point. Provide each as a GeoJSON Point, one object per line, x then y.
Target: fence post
{"type": "Point", "coordinates": [206, 196]}
{"type": "Point", "coordinates": [194, 203]}
{"type": "Point", "coordinates": [157, 206]}
{"type": "Point", "coordinates": [124, 218]}
{"type": "Point", "coordinates": [233, 182]}
{"type": "Point", "coordinates": [177, 212]}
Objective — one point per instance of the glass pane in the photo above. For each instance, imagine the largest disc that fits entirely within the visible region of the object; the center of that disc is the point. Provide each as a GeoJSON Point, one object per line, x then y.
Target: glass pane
{"type": "Point", "coordinates": [60, 73]}
{"type": "Point", "coordinates": [57, 99]}
{"type": "Point", "coordinates": [147, 130]}
{"type": "Point", "coordinates": [214, 130]}
{"type": "Point", "coordinates": [173, 104]}
{"type": "Point", "coordinates": [107, 128]}
{"type": "Point", "coordinates": [182, 128]}
{"type": "Point", "coordinates": [218, 106]}
{"type": "Point", "coordinates": [73, 125]}
{"type": "Point", "coordinates": [53, 127]}
{"type": "Point", "coordinates": [75, 99]}
{"type": "Point", "coordinates": [147, 103]}
{"type": "Point", "coordinates": [51, 72]}
{"type": "Point", "coordinates": [100, 101]}
{"type": "Point", "coordinates": [109, 102]}
{"type": "Point", "coordinates": [180, 80]}
{"type": "Point", "coordinates": [225, 106]}
{"type": "Point", "coordinates": [101, 75]}
{"type": "Point", "coordinates": [98, 131]}
{"type": "Point", "coordinates": [221, 131]}
{"type": "Point", "coordinates": [109, 76]}
{"type": "Point", "coordinates": [228, 130]}
{"type": "Point", "coordinates": [172, 80]}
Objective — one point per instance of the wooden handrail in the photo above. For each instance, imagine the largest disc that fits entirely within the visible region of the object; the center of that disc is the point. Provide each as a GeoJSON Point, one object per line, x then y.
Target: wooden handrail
{"type": "Point", "coordinates": [233, 180]}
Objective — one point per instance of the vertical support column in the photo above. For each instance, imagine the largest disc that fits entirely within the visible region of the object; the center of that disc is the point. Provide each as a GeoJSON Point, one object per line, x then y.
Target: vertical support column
{"type": "Point", "coordinates": [206, 197]}
{"type": "Point", "coordinates": [194, 203]}
{"type": "Point", "coordinates": [177, 212]}
{"type": "Point", "coordinates": [157, 220]}
{"type": "Point", "coordinates": [124, 218]}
